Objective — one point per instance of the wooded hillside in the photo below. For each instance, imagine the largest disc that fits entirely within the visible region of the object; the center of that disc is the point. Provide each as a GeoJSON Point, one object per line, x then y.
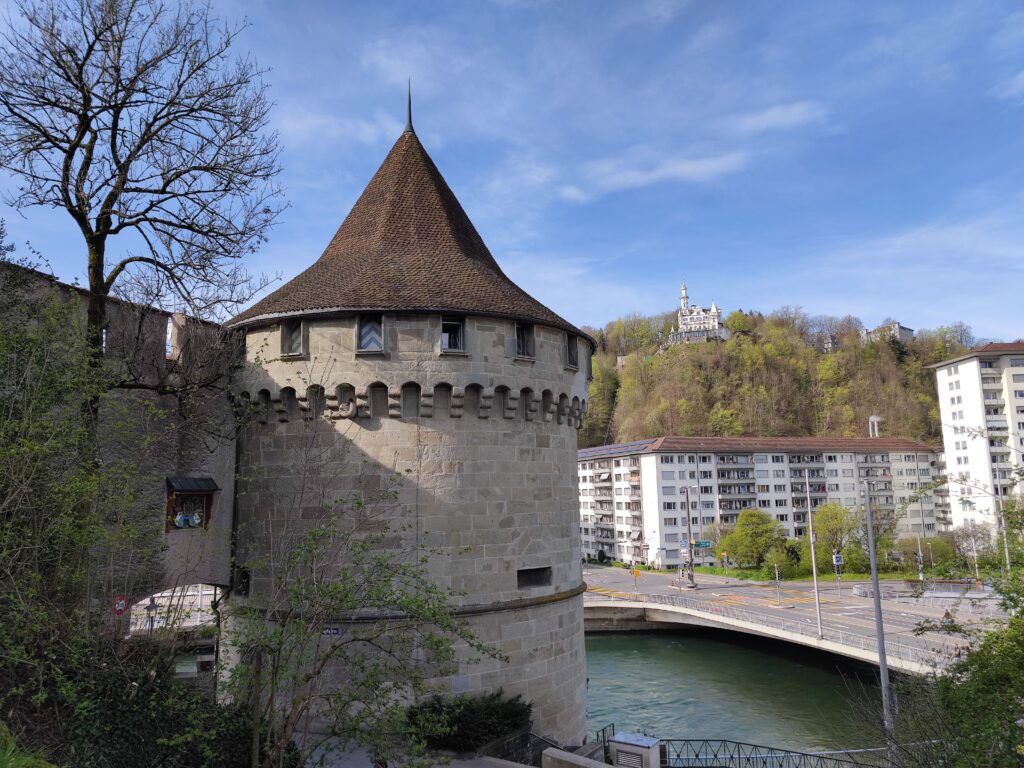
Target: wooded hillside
{"type": "Point", "coordinates": [768, 379]}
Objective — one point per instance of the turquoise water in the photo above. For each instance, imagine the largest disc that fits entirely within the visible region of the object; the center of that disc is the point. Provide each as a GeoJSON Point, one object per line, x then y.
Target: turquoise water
{"type": "Point", "coordinates": [710, 685]}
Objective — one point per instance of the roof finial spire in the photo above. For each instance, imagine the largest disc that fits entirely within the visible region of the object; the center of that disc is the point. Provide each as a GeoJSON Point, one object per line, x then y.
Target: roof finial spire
{"type": "Point", "coordinates": [408, 110]}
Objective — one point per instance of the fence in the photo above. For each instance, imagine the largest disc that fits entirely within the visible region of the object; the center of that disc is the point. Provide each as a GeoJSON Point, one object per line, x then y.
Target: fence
{"type": "Point", "coordinates": [913, 653]}
{"type": "Point", "coordinates": [716, 753]}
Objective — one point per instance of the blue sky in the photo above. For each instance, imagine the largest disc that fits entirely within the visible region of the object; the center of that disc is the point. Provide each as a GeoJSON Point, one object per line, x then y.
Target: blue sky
{"type": "Point", "coordinates": [846, 157]}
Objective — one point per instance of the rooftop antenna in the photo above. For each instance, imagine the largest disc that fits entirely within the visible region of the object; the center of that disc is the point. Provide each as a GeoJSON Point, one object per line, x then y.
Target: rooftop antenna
{"type": "Point", "coordinates": [408, 110]}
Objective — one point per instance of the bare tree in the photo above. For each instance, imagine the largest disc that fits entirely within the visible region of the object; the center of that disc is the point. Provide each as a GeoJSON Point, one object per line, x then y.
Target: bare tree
{"type": "Point", "coordinates": [132, 116]}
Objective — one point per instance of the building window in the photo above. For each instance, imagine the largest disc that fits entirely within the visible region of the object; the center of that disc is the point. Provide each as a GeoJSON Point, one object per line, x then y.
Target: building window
{"type": "Point", "coordinates": [453, 335]}
{"type": "Point", "coordinates": [572, 350]}
{"type": "Point", "coordinates": [524, 340]}
{"type": "Point", "coordinates": [291, 337]}
{"type": "Point", "coordinates": [189, 502]}
{"type": "Point", "coordinates": [371, 333]}
{"type": "Point", "coordinates": [533, 577]}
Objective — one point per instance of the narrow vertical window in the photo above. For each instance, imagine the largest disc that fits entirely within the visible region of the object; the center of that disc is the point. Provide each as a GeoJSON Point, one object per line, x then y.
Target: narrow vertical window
{"type": "Point", "coordinates": [291, 337]}
{"type": "Point", "coordinates": [572, 350]}
{"type": "Point", "coordinates": [524, 340]}
{"type": "Point", "coordinates": [371, 333]}
{"type": "Point", "coordinates": [452, 335]}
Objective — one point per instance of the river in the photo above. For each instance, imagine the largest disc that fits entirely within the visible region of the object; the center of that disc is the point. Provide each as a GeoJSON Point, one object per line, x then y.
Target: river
{"type": "Point", "coordinates": [697, 684]}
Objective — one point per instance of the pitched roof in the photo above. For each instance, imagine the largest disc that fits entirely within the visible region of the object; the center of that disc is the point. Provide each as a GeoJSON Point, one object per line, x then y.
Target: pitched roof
{"type": "Point", "coordinates": [758, 444]}
{"type": "Point", "coordinates": [407, 245]}
{"type": "Point", "coordinates": [993, 348]}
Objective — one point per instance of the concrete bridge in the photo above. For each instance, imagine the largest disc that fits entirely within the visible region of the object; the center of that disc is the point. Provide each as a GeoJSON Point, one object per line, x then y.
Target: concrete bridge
{"type": "Point", "coordinates": [618, 610]}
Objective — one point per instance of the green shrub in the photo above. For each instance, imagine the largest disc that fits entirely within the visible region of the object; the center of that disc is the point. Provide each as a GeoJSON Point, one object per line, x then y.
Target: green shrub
{"type": "Point", "coordinates": [462, 723]}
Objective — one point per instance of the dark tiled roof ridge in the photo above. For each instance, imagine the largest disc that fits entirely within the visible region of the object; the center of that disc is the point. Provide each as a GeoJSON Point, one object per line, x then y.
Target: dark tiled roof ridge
{"type": "Point", "coordinates": [407, 245]}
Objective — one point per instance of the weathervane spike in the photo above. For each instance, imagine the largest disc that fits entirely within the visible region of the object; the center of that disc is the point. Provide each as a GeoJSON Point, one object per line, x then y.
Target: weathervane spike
{"type": "Point", "coordinates": [408, 110]}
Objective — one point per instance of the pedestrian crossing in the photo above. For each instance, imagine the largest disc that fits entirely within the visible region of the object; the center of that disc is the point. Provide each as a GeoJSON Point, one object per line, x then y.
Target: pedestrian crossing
{"type": "Point", "coordinates": [611, 592]}
{"type": "Point", "coordinates": [788, 597]}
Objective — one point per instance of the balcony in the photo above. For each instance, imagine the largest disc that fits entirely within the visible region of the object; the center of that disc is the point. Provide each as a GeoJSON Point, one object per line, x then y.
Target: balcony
{"type": "Point", "coordinates": [873, 458]}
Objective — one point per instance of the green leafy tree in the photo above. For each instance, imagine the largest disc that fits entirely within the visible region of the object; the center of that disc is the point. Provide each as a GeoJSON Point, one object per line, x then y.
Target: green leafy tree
{"type": "Point", "coordinates": [835, 528]}
{"type": "Point", "coordinates": [755, 534]}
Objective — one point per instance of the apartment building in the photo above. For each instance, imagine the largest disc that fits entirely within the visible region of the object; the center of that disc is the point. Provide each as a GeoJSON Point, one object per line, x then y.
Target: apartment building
{"type": "Point", "coordinates": [635, 497]}
{"type": "Point", "coordinates": [981, 404]}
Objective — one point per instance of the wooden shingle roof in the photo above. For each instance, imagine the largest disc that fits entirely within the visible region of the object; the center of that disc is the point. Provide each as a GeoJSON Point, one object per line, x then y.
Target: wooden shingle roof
{"type": "Point", "coordinates": [406, 246]}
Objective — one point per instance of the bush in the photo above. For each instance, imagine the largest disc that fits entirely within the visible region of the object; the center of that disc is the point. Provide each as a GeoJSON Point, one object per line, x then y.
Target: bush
{"type": "Point", "coordinates": [787, 556]}
{"type": "Point", "coordinates": [462, 723]}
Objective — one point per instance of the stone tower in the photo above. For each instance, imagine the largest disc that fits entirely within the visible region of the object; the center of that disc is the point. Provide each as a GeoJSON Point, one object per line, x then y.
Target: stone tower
{"type": "Point", "coordinates": [428, 362]}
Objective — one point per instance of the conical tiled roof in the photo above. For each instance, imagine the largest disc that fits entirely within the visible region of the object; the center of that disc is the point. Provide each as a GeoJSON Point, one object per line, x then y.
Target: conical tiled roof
{"type": "Point", "coordinates": [407, 245]}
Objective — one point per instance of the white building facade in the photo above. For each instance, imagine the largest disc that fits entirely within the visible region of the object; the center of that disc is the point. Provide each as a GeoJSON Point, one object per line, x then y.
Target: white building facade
{"type": "Point", "coordinates": [635, 497]}
{"type": "Point", "coordinates": [695, 323]}
{"type": "Point", "coordinates": [981, 405]}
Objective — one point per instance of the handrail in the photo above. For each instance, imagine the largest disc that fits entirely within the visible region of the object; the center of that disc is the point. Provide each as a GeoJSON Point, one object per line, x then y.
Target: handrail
{"type": "Point", "coordinates": [724, 753]}
{"type": "Point", "coordinates": [899, 650]}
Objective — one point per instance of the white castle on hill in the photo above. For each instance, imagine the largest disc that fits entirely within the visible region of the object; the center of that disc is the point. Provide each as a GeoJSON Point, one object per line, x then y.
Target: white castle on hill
{"type": "Point", "coordinates": [695, 323]}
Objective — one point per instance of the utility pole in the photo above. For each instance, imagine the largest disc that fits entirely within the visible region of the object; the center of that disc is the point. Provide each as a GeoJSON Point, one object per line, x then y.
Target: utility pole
{"type": "Point", "coordinates": [689, 541]}
{"type": "Point", "coordinates": [883, 666]}
{"type": "Point", "coordinates": [814, 559]}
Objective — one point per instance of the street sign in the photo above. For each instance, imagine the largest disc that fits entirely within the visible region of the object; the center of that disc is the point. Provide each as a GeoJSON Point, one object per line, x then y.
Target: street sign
{"type": "Point", "coordinates": [702, 544]}
{"type": "Point", "coordinates": [120, 605]}
{"type": "Point", "coordinates": [636, 572]}
{"type": "Point", "coordinates": [837, 559]}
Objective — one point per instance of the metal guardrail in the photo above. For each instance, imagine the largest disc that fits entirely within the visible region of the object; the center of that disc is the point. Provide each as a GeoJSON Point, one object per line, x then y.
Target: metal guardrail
{"type": "Point", "coordinates": [720, 753]}
{"type": "Point", "coordinates": [913, 653]}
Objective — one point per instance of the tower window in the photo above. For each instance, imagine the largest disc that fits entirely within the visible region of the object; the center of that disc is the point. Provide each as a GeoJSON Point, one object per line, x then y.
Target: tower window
{"type": "Point", "coordinates": [371, 333]}
{"type": "Point", "coordinates": [572, 350]}
{"type": "Point", "coordinates": [452, 335]}
{"type": "Point", "coordinates": [533, 577]}
{"type": "Point", "coordinates": [524, 340]}
{"type": "Point", "coordinates": [291, 337]}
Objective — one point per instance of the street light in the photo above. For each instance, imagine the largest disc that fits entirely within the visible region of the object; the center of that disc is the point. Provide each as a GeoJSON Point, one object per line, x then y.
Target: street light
{"type": "Point", "coordinates": [689, 541]}
{"type": "Point", "coordinates": [814, 560]}
{"type": "Point", "coordinates": [883, 666]}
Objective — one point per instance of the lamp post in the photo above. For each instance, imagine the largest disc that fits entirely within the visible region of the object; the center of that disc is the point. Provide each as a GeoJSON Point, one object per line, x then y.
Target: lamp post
{"type": "Point", "coordinates": [814, 560]}
{"type": "Point", "coordinates": [689, 541]}
{"type": "Point", "coordinates": [151, 610]}
{"type": "Point", "coordinates": [883, 666]}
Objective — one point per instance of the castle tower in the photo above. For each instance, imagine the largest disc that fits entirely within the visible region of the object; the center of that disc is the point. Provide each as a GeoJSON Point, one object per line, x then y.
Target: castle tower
{"type": "Point", "coordinates": [412, 355]}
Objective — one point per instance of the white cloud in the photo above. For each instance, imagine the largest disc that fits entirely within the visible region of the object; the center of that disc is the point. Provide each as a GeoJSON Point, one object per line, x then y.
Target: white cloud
{"type": "Point", "coordinates": [424, 55]}
{"type": "Point", "coordinates": [780, 117]}
{"type": "Point", "coordinates": [583, 291]}
{"type": "Point", "coordinates": [926, 276]}
{"type": "Point", "coordinates": [300, 126]}
{"type": "Point", "coordinates": [1012, 89]}
{"type": "Point", "coordinates": [640, 167]}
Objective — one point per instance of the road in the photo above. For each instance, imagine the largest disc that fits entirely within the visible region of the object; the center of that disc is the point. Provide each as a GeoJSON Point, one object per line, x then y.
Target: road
{"type": "Point", "coordinates": [841, 612]}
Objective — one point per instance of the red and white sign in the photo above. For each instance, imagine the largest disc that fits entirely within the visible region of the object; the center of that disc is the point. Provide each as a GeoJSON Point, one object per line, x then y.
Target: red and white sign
{"type": "Point", "coordinates": [120, 605]}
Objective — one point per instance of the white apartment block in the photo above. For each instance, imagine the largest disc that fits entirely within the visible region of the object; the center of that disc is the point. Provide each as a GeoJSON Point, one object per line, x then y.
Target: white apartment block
{"type": "Point", "coordinates": [633, 496]}
{"type": "Point", "coordinates": [981, 404]}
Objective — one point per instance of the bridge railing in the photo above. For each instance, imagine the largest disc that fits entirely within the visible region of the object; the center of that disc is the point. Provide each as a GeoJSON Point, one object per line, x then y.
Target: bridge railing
{"type": "Point", "coordinates": [913, 653]}
{"type": "Point", "coordinates": [719, 753]}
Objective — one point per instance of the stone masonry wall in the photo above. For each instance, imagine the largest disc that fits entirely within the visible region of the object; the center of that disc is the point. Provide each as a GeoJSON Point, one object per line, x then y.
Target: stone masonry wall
{"type": "Point", "coordinates": [485, 474]}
